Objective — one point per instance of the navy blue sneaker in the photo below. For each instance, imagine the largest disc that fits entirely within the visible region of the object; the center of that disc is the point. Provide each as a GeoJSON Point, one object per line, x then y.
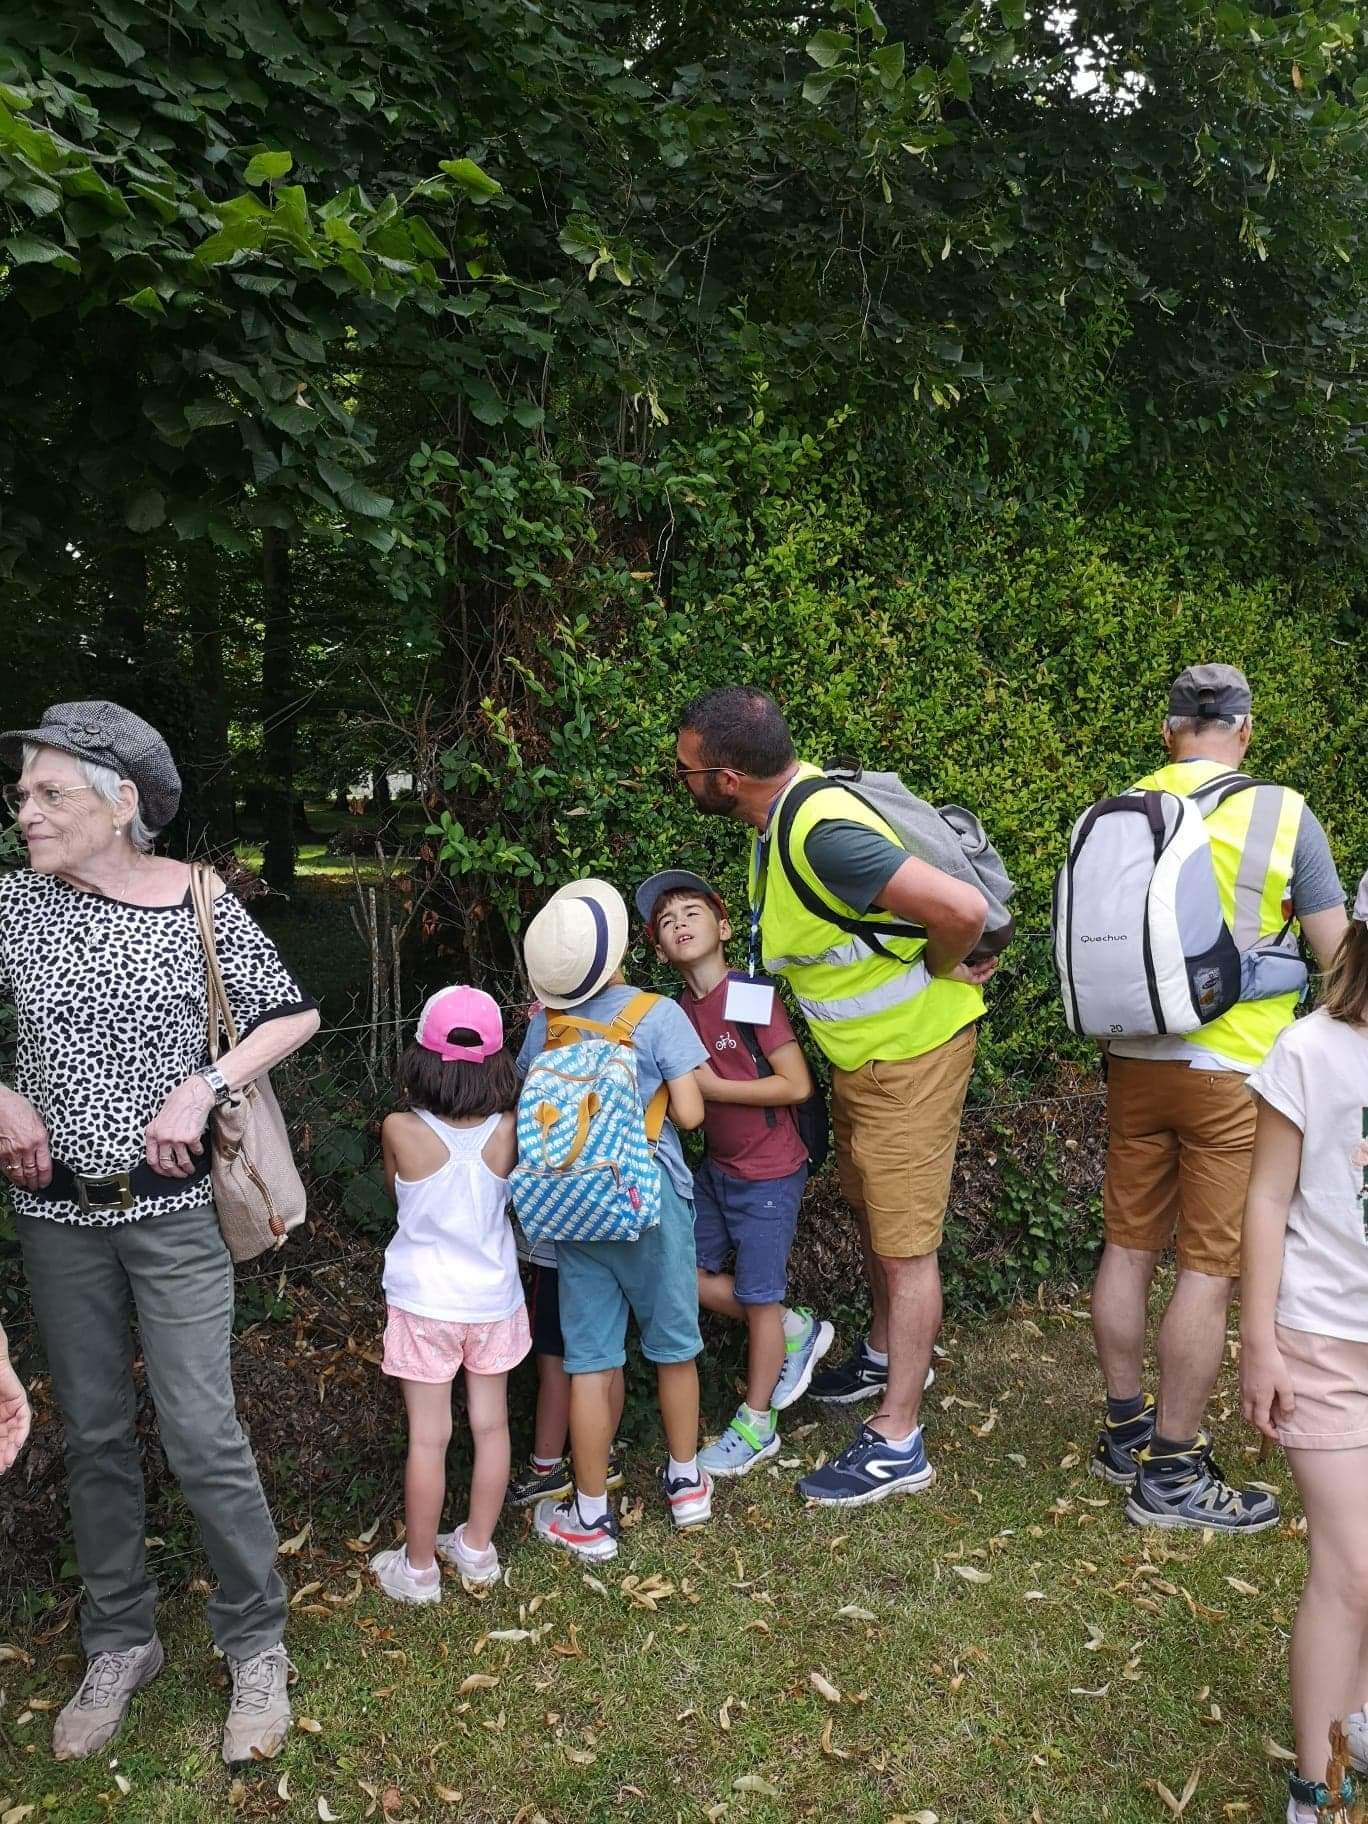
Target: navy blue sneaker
{"type": "Point", "coordinates": [867, 1470]}
{"type": "Point", "coordinates": [856, 1378]}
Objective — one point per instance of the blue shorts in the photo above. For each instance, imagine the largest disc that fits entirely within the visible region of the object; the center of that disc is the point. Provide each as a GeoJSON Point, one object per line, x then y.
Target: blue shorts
{"type": "Point", "coordinates": [654, 1278]}
{"type": "Point", "coordinates": [754, 1218]}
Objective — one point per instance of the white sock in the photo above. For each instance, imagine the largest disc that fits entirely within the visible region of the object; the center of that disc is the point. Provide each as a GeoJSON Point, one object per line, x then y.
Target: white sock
{"type": "Point", "coordinates": [762, 1421]}
{"type": "Point", "coordinates": [795, 1324]}
{"type": "Point", "coordinates": [682, 1472]}
{"type": "Point", "coordinates": [544, 1465]}
{"type": "Point", "coordinates": [904, 1443]}
{"type": "Point", "coordinates": [879, 1357]}
{"type": "Point", "coordinates": [591, 1507]}
{"type": "Point", "coordinates": [426, 1574]}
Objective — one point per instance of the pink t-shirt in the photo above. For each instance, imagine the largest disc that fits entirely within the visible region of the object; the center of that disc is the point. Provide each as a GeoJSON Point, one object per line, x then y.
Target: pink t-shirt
{"type": "Point", "coordinates": [740, 1140]}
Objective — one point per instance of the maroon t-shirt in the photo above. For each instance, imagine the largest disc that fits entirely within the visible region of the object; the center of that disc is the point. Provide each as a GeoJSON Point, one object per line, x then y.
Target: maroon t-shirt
{"type": "Point", "coordinates": [740, 1141]}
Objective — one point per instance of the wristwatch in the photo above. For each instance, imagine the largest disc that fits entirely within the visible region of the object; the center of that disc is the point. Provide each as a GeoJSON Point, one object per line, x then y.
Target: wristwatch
{"type": "Point", "coordinates": [216, 1080]}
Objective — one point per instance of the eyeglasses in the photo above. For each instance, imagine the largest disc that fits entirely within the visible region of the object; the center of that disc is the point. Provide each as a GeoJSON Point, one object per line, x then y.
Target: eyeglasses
{"type": "Point", "coordinates": [680, 773]}
{"type": "Point", "coordinates": [47, 797]}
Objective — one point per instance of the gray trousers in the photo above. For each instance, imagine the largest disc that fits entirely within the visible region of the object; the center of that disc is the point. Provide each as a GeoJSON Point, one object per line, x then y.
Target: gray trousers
{"type": "Point", "coordinates": [173, 1271]}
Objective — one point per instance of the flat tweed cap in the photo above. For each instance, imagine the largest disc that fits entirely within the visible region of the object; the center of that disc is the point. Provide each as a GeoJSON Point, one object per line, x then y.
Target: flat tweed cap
{"type": "Point", "coordinates": [107, 734]}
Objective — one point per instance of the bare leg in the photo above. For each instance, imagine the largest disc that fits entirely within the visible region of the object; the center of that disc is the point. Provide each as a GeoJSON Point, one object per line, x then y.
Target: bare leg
{"type": "Point", "coordinates": [913, 1324]}
{"type": "Point", "coordinates": [1328, 1639]}
{"type": "Point", "coordinates": [717, 1293]}
{"type": "Point", "coordinates": [429, 1419]}
{"type": "Point", "coordinates": [878, 1290]}
{"type": "Point", "coordinates": [1120, 1306]}
{"type": "Point", "coordinates": [592, 1404]}
{"type": "Point", "coordinates": [552, 1425]}
{"type": "Point", "coordinates": [766, 1359]}
{"type": "Point", "coordinates": [1191, 1344]}
{"type": "Point", "coordinates": [487, 1410]}
{"type": "Point", "coordinates": [677, 1383]}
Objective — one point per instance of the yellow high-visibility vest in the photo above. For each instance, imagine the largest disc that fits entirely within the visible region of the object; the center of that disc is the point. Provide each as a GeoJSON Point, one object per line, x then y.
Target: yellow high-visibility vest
{"type": "Point", "coordinates": [859, 1005]}
{"type": "Point", "coordinates": [1253, 837]}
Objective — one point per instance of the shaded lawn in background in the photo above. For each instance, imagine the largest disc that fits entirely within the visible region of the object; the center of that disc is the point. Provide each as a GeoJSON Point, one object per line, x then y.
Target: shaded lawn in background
{"type": "Point", "coordinates": [1081, 1662]}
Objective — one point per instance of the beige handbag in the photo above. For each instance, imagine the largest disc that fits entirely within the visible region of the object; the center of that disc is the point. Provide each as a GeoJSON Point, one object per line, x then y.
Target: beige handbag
{"type": "Point", "coordinates": [258, 1192]}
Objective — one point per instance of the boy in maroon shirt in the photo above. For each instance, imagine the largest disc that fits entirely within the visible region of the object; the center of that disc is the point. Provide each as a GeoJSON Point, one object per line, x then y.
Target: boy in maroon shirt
{"type": "Point", "coordinates": [748, 1189]}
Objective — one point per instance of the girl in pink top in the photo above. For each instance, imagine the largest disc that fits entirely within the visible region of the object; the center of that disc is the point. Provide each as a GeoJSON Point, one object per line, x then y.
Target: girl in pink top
{"type": "Point", "coordinates": [452, 1292]}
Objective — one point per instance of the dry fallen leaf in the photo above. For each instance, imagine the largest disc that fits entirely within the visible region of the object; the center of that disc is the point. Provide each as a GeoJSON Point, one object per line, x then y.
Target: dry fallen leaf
{"type": "Point", "coordinates": [755, 1782]}
{"type": "Point", "coordinates": [17, 1813]}
{"type": "Point", "coordinates": [828, 1747]}
{"type": "Point", "coordinates": [16, 1653]}
{"type": "Point", "coordinates": [1274, 1753]}
{"type": "Point", "coordinates": [916, 1817]}
{"type": "Point", "coordinates": [824, 1687]}
{"type": "Point", "coordinates": [851, 1613]}
{"type": "Point", "coordinates": [1177, 1806]}
{"type": "Point", "coordinates": [292, 1547]}
{"type": "Point", "coordinates": [124, 1784]}
{"type": "Point", "coordinates": [582, 1757]}
{"type": "Point", "coordinates": [971, 1573]}
{"type": "Point", "coordinates": [326, 1813]}
{"type": "Point", "coordinates": [283, 1787]}
{"type": "Point", "coordinates": [477, 1681]}
{"type": "Point", "coordinates": [449, 1795]}
{"type": "Point", "coordinates": [309, 1724]}
{"type": "Point", "coordinates": [1242, 1588]}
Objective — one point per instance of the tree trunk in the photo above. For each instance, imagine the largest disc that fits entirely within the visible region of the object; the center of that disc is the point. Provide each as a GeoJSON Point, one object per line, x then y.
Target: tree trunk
{"type": "Point", "coordinates": [278, 712]}
{"type": "Point", "coordinates": [382, 799]}
{"type": "Point", "coordinates": [208, 776]}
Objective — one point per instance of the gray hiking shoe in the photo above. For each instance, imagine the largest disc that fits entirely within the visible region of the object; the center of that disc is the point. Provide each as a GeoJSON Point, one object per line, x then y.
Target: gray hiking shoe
{"type": "Point", "coordinates": [96, 1713]}
{"type": "Point", "coordinates": [259, 1713]}
{"type": "Point", "coordinates": [1188, 1491]}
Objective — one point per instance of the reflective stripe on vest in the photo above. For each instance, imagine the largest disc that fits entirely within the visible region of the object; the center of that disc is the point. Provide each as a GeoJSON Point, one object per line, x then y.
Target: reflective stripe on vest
{"type": "Point", "coordinates": [858, 1004]}
{"type": "Point", "coordinates": [1253, 843]}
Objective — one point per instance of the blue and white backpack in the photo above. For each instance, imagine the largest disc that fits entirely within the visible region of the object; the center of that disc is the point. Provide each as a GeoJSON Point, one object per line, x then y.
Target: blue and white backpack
{"type": "Point", "coordinates": [586, 1166]}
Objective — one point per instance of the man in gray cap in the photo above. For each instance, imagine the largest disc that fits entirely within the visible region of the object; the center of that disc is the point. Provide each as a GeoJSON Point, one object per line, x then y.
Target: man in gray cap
{"type": "Point", "coordinates": [1181, 1129]}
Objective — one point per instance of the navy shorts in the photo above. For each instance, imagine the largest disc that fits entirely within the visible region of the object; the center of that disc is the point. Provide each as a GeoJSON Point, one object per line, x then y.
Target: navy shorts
{"type": "Point", "coordinates": [544, 1310]}
{"type": "Point", "coordinates": [753, 1218]}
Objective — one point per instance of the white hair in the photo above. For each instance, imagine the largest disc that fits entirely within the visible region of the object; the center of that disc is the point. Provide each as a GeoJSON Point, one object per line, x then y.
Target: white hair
{"type": "Point", "coordinates": [105, 781]}
{"type": "Point", "coordinates": [1197, 725]}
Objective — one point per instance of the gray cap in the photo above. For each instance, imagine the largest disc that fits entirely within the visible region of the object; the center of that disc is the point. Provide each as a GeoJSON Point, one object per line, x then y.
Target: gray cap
{"type": "Point", "coordinates": [1210, 690]}
{"type": "Point", "coordinates": [674, 880]}
{"type": "Point", "coordinates": [107, 734]}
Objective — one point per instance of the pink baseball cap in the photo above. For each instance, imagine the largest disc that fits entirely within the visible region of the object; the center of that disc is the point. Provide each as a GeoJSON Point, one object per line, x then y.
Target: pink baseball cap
{"type": "Point", "coordinates": [450, 1008]}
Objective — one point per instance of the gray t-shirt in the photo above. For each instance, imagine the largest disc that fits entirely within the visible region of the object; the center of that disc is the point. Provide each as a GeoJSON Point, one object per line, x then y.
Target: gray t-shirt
{"type": "Point", "coordinates": [666, 1047]}
{"type": "Point", "coordinates": [853, 862]}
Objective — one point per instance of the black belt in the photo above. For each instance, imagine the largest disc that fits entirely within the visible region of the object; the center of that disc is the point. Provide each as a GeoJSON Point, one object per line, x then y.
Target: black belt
{"type": "Point", "coordinates": [116, 1190]}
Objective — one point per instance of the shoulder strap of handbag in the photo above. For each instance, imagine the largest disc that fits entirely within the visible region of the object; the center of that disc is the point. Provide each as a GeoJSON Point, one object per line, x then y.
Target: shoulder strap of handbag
{"type": "Point", "coordinates": [869, 930]}
{"type": "Point", "coordinates": [562, 1028]}
{"type": "Point", "coordinates": [202, 899]}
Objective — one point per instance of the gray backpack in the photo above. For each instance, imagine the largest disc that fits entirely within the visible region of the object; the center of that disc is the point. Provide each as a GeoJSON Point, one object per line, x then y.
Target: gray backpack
{"type": "Point", "coordinates": [949, 838]}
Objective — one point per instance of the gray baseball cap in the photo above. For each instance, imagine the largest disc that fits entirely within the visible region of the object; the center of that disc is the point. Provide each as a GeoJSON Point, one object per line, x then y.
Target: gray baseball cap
{"type": "Point", "coordinates": [107, 734]}
{"type": "Point", "coordinates": [1210, 690]}
{"type": "Point", "coordinates": [650, 893]}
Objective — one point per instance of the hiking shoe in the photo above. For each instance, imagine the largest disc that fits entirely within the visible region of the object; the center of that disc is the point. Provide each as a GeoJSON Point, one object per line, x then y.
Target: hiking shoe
{"type": "Point", "coordinates": [475, 1567]}
{"type": "Point", "coordinates": [560, 1523]}
{"type": "Point", "coordinates": [690, 1502]}
{"type": "Point", "coordinates": [259, 1712]}
{"type": "Point", "coordinates": [801, 1356]}
{"type": "Point", "coordinates": [868, 1470]}
{"type": "Point", "coordinates": [1188, 1490]}
{"type": "Point", "coordinates": [740, 1447]}
{"type": "Point", "coordinates": [397, 1577]}
{"type": "Point", "coordinates": [554, 1484]}
{"type": "Point", "coordinates": [1114, 1459]}
{"type": "Point", "coordinates": [95, 1714]}
{"type": "Point", "coordinates": [856, 1378]}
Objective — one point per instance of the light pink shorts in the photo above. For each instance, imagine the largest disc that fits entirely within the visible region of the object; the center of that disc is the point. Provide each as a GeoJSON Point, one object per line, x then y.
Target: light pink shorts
{"type": "Point", "coordinates": [433, 1349]}
{"type": "Point", "coordinates": [1330, 1385]}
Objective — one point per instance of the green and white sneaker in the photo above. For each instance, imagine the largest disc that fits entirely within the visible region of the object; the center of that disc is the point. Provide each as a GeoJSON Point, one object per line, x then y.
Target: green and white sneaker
{"type": "Point", "coordinates": [801, 1356]}
{"type": "Point", "coordinates": [741, 1446]}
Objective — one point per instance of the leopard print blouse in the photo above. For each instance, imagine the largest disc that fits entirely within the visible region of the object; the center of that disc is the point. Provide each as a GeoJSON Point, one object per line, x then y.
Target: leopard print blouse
{"type": "Point", "coordinates": [112, 1015]}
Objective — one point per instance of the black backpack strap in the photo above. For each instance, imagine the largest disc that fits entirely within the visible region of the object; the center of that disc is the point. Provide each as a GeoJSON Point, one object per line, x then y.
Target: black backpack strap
{"type": "Point", "coordinates": [750, 1038]}
{"type": "Point", "coordinates": [869, 930]}
{"type": "Point", "coordinates": [1223, 786]}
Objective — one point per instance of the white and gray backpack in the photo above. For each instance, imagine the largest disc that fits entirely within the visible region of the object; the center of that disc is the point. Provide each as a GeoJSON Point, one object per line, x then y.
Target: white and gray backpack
{"type": "Point", "coordinates": [1141, 942]}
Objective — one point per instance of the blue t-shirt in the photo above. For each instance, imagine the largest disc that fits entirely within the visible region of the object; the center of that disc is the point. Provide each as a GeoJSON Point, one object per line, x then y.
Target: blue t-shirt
{"type": "Point", "coordinates": [666, 1047]}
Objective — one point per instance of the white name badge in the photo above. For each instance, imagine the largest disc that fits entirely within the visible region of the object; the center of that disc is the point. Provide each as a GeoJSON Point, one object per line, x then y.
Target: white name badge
{"type": "Point", "coordinates": [752, 1003]}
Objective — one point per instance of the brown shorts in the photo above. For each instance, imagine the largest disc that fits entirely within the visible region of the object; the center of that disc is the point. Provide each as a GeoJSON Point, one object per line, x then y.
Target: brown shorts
{"type": "Point", "coordinates": [1330, 1391]}
{"type": "Point", "coordinates": [896, 1125]}
{"type": "Point", "coordinates": [1178, 1157]}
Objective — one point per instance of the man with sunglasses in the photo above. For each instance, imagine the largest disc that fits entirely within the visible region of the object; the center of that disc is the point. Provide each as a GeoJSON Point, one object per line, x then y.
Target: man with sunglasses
{"type": "Point", "coordinates": [894, 1016]}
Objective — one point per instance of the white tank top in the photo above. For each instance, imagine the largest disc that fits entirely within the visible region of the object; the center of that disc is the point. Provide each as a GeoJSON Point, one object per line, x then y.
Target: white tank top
{"type": "Point", "coordinates": [454, 1257]}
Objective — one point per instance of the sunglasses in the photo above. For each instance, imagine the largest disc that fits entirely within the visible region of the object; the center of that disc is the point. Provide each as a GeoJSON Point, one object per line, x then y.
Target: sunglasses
{"type": "Point", "coordinates": [679, 773]}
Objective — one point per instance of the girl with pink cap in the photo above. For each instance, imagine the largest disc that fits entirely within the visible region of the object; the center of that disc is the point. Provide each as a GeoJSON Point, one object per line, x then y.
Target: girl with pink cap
{"type": "Point", "coordinates": [452, 1292]}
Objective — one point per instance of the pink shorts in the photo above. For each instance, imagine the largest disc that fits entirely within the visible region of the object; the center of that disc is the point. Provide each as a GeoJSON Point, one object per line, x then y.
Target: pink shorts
{"type": "Point", "coordinates": [432, 1348]}
{"type": "Point", "coordinates": [1330, 1384]}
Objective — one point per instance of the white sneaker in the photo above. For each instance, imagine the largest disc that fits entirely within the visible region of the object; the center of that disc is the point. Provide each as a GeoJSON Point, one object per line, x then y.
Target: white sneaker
{"type": "Point", "coordinates": [397, 1577]}
{"type": "Point", "coordinates": [1356, 1741]}
{"type": "Point", "coordinates": [690, 1502]}
{"type": "Point", "coordinates": [476, 1567]}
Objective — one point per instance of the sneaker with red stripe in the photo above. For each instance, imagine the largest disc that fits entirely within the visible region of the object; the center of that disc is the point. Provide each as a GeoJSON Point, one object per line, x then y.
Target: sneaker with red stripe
{"type": "Point", "coordinates": [690, 1502]}
{"type": "Point", "coordinates": [561, 1523]}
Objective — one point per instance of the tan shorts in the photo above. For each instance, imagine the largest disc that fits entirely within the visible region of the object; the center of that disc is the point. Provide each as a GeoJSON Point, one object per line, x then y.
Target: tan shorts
{"type": "Point", "coordinates": [1330, 1391]}
{"type": "Point", "coordinates": [1178, 1157]}
{"type": "Point", "coordinates": [896, 1125]}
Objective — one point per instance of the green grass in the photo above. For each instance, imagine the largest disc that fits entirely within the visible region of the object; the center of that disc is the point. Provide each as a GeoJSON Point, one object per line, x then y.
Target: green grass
{"type": "Point", "coordinates": [1095, 1660]}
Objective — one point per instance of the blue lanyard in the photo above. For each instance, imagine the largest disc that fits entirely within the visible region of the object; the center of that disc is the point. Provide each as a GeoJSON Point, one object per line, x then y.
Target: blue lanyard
{"type": "Point", "coordinates": [759, 866]}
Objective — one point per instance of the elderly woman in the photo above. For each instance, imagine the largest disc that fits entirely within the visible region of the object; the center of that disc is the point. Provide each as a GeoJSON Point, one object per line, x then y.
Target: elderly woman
{"type": "Point", "coordinates": [103, 1139]}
